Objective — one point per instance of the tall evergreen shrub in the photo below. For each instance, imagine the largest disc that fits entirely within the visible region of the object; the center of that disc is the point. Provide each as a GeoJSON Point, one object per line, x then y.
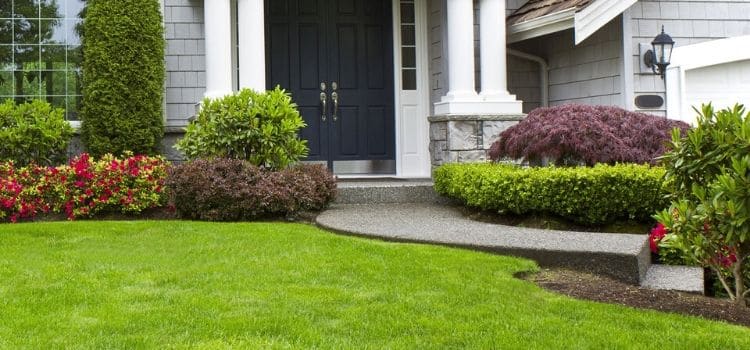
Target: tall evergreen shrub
{"type": "Point", "coordinates": [123, 76]}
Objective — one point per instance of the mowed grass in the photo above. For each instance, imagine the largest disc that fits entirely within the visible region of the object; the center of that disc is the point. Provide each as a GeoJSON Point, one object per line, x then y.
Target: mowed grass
{"type": "Point", "coordinates": [275, 285]}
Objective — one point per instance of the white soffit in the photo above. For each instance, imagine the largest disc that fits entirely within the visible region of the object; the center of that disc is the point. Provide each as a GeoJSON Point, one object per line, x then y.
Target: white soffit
{"type": "Point", "coordinates": [585, 22]}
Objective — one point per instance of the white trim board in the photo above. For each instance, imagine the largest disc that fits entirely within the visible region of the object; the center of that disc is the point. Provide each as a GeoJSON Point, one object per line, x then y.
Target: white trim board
{"type": "Point", "coordinates": [412, 107]}
{"type": "Point", "coordinates": [584, 22]}
{"type": "Point", "coordinates": [685, 58]}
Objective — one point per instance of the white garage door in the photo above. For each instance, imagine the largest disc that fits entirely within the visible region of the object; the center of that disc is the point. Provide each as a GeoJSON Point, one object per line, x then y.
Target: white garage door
{"type": "Point", "coordinates": [723, 85]}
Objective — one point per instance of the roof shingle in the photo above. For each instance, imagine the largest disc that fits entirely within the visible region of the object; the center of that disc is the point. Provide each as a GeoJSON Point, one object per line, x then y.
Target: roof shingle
{"type": "Point", "coordinates": [538, 8]}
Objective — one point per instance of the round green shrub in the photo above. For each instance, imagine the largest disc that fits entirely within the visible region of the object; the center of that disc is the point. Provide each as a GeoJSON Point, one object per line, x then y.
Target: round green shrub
{"type": "Point", "coordinates": [123, 77]}
{"type": "Point", "coordinates": [33, 133]}
{"type": "Point", "coordinates": [261, 128]}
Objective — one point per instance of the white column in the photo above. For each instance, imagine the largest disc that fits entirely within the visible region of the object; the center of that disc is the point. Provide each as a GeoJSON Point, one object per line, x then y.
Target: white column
{"type": "Point", "coordinates": [460, 59]}
{"type": "Point", "coordinates": [252, 47]}
{"type": "Point", "coordinates": [218, 30]}
{"type": "Point", "coordinates": [492, 48]}
{"type": "Point", "coordinates": [494, 70]}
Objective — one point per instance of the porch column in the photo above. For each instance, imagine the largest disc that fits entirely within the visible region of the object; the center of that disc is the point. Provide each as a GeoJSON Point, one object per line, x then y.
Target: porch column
{"type": "Point", "coordinates": [493, 58]}
{"type": "Point", "coordinates": [252, 47]}
{"type": "Point", "coordinates": [218, 28]}
{"type": "Point", "coordinates": [461, 89]}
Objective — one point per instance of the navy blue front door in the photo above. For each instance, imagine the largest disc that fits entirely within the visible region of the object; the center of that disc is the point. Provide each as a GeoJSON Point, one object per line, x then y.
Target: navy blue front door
{"type": "Point", "coordinates": [336, 58]}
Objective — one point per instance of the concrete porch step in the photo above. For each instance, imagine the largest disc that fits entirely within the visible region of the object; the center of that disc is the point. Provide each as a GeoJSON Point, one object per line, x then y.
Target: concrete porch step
{"type": "Point", "coordinates": [678, 278]}
{"type": "Point", "coordinates": [387, 190]}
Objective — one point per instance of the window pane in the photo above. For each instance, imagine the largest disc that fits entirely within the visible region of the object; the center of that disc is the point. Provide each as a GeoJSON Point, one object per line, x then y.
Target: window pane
{"type": "Point", "coordinates": [408, 58]}
{"type": "Point", "coordinates": [26, 56]}
{"type": "Point", "coordinates": [407, 13]}
{"type": "Point", "coordinates": [6, 56]}
{"type": "Point", "coordinates": [6, 85]}
{"type": "Point", "coordinates": [409, 77]}
{"type": "Point", "coordinates": [5, 12]}
{"type": "Point", "coordinates": [72, 8]}
{"type": "Point", "coordinates": [52, 31]}
{"type": "Point", "coordinates": [53, 56]}
{"type": "Point", "coordinates": [408, 36]}
{"type": "Point", "coordinates": [26, 9]}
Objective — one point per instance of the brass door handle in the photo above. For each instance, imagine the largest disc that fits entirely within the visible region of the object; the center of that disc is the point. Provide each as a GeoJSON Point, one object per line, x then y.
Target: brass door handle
{"type": "Point", "coordinates": [324, 107]}
{"type": "Point", "coordinates": [335, 98]}
{"type": "Point", "coordinates": [323, 102]}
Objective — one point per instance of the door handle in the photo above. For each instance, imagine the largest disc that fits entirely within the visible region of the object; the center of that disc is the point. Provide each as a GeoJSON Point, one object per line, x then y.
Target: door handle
{"type": "Point", "coordinates": [335, 98]}
{"type": "Point", "coordinates": [323, 101]}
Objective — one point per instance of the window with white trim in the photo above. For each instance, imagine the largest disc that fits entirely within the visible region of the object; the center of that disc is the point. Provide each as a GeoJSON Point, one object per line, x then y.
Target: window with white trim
{"type": "Point", "coordinates": [40, 56]}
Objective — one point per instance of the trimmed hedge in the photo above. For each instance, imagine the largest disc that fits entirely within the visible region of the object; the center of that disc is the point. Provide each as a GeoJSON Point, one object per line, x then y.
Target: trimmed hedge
{"type": "Point", "coordinates": [580, 134]}
{"type": "Point", "coordinates": [123, 77]}
{"type": "Point", "coordinates": [232, 189]}
{"type": "Point", "coordinates": [586, 195]}
{"type": "Point", "coordinates": [33, 133]}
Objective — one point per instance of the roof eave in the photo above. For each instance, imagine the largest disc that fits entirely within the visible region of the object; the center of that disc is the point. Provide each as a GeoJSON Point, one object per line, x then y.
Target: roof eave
{"type": "Point", "coordinates": [551, 23]}
{"type": "Point", "coordinates": [584, 22]}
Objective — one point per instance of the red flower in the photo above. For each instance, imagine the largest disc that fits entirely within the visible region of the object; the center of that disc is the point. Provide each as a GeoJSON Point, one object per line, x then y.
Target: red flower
{"type": "Point", "coordinates": [657, 234]}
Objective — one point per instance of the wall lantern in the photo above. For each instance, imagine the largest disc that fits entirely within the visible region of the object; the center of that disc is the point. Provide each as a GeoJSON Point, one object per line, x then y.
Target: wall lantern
{"type": "Point", "coordinates": [658, 58]}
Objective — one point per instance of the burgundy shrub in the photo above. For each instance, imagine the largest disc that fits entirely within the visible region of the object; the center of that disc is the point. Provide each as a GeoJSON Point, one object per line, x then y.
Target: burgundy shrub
{"type": "Point", "coordinates": [586, 134]}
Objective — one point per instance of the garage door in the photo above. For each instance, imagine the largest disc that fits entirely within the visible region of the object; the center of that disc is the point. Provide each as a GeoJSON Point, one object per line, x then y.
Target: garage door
{"type": "Point", "coordinates": [722, 84]}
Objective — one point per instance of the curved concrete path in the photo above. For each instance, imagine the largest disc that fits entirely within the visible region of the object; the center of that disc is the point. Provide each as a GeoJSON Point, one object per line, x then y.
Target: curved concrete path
{"type": "Point", "coordinates": [622, 256]}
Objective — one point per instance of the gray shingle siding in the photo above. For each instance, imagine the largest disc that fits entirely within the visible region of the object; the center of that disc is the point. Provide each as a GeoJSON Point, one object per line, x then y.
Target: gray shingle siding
{"type": "Point", "coordinates": [587, 73]}
{"type": "Point", "coordinates": [185, 57]}
{"type": "Point", "coordinates": [524, 82]}
{"type": "Point", "coordinates": [688, 22]}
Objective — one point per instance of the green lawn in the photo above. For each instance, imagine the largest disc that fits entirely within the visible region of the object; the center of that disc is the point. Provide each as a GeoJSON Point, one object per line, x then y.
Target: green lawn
{"type": "Point", "coordinates": [184, 284]}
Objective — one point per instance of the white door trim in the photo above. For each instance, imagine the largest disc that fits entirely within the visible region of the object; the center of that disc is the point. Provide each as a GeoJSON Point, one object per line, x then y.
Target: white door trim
{"type": "Point", "coordinates": [412, 107]}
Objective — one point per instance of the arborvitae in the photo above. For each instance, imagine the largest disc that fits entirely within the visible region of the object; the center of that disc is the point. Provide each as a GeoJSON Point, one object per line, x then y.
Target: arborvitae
{"type": "Point", "coordinates": [123, 76]}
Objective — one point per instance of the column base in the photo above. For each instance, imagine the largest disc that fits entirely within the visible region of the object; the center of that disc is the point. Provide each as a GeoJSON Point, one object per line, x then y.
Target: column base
{"type": "Point", "coordinates": [480, 105]}
{"type": "Point", "coordinates": [466, 138]}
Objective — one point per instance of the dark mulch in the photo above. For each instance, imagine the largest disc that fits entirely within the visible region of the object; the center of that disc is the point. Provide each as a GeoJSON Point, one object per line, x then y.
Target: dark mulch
{"type": "Point", "coordinates": [549, 222]}
{"type": "Point", "coordinates": [587, 286]}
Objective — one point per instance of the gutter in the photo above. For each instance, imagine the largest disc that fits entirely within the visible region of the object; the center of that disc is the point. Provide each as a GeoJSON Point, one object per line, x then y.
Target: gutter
{"type": "Point", "coordinates": [543, 73]}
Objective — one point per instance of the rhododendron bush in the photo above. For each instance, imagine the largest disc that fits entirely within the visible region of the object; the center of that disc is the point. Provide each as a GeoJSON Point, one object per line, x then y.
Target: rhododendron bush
{"type": "Point", "coordinates": [575, 134]}
{"type": "Point", "coordinates": [708, 172]}
{"type": "Point", "coordinates": [83, 187]}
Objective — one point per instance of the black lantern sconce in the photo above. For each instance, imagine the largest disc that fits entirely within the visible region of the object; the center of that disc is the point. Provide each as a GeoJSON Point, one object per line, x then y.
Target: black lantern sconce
{"type": "Point", "coordinates": [658, 58]}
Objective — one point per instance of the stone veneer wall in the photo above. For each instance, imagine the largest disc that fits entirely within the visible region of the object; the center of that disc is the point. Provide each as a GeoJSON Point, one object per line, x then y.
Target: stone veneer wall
{"type": "Point", "coordinates": [464, 138]}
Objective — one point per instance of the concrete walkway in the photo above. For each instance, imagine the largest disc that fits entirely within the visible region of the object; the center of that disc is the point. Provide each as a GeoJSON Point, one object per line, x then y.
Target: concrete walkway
{"type": "Point", "coordinates": [622, 256]}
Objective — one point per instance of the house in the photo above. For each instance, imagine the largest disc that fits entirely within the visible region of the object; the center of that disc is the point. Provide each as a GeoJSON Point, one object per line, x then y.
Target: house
{"type": "Point", "coordinates": [396, 87]}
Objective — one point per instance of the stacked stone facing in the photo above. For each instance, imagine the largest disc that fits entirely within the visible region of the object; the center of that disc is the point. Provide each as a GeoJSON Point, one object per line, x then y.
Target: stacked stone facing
{"type": "Point", "coordinates": [466, 138]}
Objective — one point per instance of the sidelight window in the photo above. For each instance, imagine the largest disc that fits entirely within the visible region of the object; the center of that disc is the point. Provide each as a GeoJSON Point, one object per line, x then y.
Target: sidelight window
{"type": "Point", "coordinates": [408, 46]}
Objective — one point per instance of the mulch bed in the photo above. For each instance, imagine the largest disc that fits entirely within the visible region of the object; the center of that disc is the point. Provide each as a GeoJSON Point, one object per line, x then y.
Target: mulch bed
{"type": "Point", "coordinates": [588, 286]}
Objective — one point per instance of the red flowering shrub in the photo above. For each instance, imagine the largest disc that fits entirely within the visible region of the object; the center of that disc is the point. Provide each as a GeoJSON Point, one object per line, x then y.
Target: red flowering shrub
{"type": "Point", "coordinates": [20, 195]}
{"type": "Point", "coordinates": [586, 134]}
{"type": "Point", "coordinates": [231, 190]}
{"type": "Point", "coordinates": [83, 188]}
{"type": "Point", "coordinates": [657, 234]}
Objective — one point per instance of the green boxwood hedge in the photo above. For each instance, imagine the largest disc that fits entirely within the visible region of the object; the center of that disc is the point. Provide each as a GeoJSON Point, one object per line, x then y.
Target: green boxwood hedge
{"type": "Point", "coordinates": [123, 77]}
{"type": "Point", "coordinates": [586, 195]}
